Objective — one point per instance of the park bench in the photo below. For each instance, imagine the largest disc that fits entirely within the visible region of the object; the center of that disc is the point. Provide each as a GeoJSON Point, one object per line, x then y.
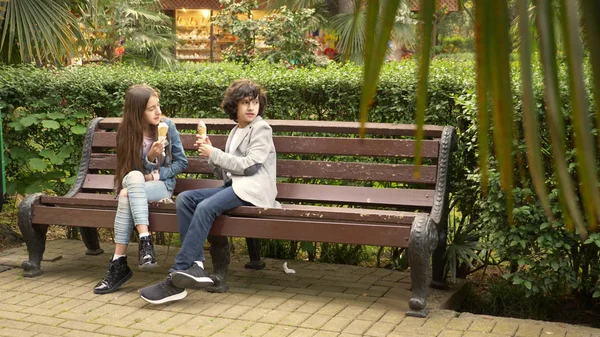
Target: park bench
{"type": "Point", "coordinates": [334, 187]}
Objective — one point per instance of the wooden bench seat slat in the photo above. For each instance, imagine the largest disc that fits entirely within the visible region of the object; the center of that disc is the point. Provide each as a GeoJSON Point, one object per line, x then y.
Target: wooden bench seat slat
{"type": "Point", "coordinates": [322, 213]}
{"type": "Point", "coordinates": [310, 169]}
{"type": "Point", "coordinates": [281, 229]}
{"type": "Point", "coordinates": [386, 129]}
{"type": "Point", "coordinates": [306, 192]}
{"type": "Point", "coordinates": [400, 148]}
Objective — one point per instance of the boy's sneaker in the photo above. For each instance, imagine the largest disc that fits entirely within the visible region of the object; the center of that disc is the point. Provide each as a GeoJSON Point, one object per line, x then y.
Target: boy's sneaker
{"type": "Point", "coordinates": [162, 292]}
{"type": "Point", "coordinates": [146, 255]}
{"type": "Point", "coordinates": [193, 277]}
{"type": "Point", "coordinates": [118, 273]}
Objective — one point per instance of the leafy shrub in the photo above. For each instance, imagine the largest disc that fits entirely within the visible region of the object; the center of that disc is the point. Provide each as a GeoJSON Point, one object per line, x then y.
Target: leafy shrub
{"type": "Point", "coordinates": [46, 111]}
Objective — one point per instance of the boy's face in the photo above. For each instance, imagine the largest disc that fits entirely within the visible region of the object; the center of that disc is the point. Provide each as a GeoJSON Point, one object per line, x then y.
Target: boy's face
{"type": "Point", "coordinates": [247, 110]}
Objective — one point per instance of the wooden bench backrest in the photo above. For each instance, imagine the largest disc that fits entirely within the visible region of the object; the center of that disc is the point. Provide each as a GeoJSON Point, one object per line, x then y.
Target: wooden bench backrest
{"type": "Point", "coordinates": [309, 153]}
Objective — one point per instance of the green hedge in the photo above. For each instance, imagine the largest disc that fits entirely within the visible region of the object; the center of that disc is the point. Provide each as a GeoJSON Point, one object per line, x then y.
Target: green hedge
{"type": "Point", "coordinates": [45, 111]}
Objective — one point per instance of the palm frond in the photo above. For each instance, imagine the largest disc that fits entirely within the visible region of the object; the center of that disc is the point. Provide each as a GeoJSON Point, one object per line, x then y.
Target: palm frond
{"type": "Point", "coordinates": [39, 31]}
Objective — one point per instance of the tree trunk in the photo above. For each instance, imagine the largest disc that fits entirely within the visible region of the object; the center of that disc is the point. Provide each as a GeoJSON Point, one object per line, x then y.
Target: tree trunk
{"type": "Point", "coordinates": [340, 6]}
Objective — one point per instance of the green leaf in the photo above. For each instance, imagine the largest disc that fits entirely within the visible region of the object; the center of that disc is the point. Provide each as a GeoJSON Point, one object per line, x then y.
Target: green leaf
{"type": "Point", "coordinates": [47, 153]}
{"type": "Point", "coordinates": [530, 119]}
{"type": "Point", "coordinates": [596, 294]}
{"type": "Point", "coordinates": [37, 164]}
{"type": "Point", "coordinates": [56, 115]}
{"type": "Point", "coordinates": [554, 118]}
{"type": "Point", "coordinates": [78, 129]}
{"type": "Point", "coordinates": [53, 125]}
{"type": "Point", "coordinates": [29, 120]}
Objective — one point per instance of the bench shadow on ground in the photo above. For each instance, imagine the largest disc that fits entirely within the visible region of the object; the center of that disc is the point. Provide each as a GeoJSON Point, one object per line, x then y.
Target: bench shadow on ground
{"type": "Point", "coordinates": [65, 263]}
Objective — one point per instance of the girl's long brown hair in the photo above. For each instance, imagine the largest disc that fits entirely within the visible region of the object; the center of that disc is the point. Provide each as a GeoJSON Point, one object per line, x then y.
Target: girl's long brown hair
{"type": "Point", "coordinates": [131, 131]}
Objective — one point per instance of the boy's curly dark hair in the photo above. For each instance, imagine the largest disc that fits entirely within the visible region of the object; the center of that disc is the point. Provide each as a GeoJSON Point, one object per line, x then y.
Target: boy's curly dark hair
{"type": "Point", "coordinates": [239, 90]}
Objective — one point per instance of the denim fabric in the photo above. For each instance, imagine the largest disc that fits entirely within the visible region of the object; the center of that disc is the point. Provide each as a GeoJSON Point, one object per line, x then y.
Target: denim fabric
{"type": "Point", "coordinates": [133, 209]}
{"type": "Point", "coordinates": [196, 212]}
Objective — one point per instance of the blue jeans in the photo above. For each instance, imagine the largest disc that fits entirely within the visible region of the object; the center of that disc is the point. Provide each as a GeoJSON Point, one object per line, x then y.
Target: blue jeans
{"type": "Point", "coordinates": [196, 212]}
{"type": "Point", "coordinates": [133, 209]}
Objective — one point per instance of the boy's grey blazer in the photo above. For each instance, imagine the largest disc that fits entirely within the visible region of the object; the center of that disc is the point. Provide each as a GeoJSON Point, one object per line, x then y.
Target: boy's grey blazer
{"type": "Point", "coordinates": [251, 162]}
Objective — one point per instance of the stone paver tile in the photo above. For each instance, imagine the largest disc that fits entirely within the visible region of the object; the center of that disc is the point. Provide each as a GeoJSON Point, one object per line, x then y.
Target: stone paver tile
{"type": "Point", "coordinates": [311, 307]}
{"type": "Point", "coordinates": [280, 331]}
{"type": "Point", "coordinates": [43, 320]}
{"type": "Point", "coordinates": [392, 316]}
{"type": "Point", "coordinates": [310, 298]}
{"type": "Point", "coordinates": [553, 331]}
{"type": "Point", "coordinates": [412, 322]}
{"type": "Point", "coordinates": [460, 323]}
{"type": "Point", "coordinates": [15, 332]}
{"type": "Point", "coordinates": [528, 330]}
{"type": "Point", "coordinates": [480, 334]}
{"type": "Point", "coordinates": [291, 304]}
{"type": "Point", "coordinates": [153, 334]}
{"type": "Point", "coordinates": [236, 327]}
{"type": "Point", "coordinates": [258, 329]}
{"type": "Point", "coordinates": [256, 314]}
{"type": "Point", "coordinates": [272, 316]}
{"type": "Point", "coordinates": [213, 326]}
{"type": "Point", "coordinates": [380, 329]}
{"type": "Point", "coordinates": [326, 334]}
{"type": "Point", "coordinates": [12, 315]}
{"type": "Point", "coordinates": [372, 314]}
{"type": "Point", "coordinates": [83, 326]}
{"type": "Point", "coordinates": [483, 324]}
{"type": "Point", "coordinates": [216, 309]}
{"type": "Point", "coordinates": [117, 331]}
{"type": "Point", "coordinates": [254, 300]}
{"type": "Point", "coordinates": [451, 333]}
{"type": "Point", "coordinates": [302, 332]}
{"type": "Point", "coordinates": [331, 309]}
{"type": "Point", "coordinates": [315, 321]}
{"type": "Point", "coordinates": [301, 291]}
{"type": "Point", "coordinates": [235, 311]}
{"type": "Point", "coordinates": [358, 326]}
{"type": "Point", "coordinates": [506, 327]}
{"type": "Point", "coordinates": [53, 330]}
{"type": "Point", "coordinates": [271, 303]}
{"type": "Point", "coordinates": [294, 318]}
{"type": "Point", "coordinates": [577, 333]}
{"type": "Point", "coordinates": [353, 311]}
{"type": "Point", "coordinates": [337, 324]}
{"type": "Point", "coordinates": [8, 323]}
{"type": "Point", "coordinates": [404, 333]}
{"type": "Point", "coordinates": [236, 299]}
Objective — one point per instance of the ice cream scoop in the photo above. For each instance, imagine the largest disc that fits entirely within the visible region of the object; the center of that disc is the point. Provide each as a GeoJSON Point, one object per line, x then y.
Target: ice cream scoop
{"type": "Point", "coordinates": [163, 128]}
{"type": "Point", "coordinates": [202, 130]}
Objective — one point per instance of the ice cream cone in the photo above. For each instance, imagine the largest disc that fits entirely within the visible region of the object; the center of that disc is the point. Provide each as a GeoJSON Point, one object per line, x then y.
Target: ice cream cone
{"type": "Point", "coordinates": [202, 130]}
{"type": "Point", "coordinates": [163, 129]}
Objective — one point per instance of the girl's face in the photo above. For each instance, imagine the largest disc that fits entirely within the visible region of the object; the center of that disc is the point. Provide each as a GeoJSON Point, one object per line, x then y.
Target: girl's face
{"type": "Point", "coordinates": [152, 113]}
{"type": "Point", "coordinates": [247, 110]}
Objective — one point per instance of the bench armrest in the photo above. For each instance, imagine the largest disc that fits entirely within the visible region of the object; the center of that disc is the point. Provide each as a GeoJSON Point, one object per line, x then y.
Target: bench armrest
{"type": "Point", "coordinates": [85, 157]}
{"type": "Point", "coordinates": [439, 212]}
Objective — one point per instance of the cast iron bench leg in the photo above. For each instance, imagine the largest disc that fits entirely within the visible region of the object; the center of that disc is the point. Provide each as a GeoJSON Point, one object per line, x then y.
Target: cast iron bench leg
{"type": "Point", "coordinates": [438, 263]}
{"type": "Point", "coordinates": [34, 236]}
{"type": "Point", "coordinates": [423, 240]}
{"type": "Point", "coordinates": [254, 254]}
{"type": "Point", "coordinates": [89, 236]}
{"type": "Point", "coordinates": [219, 252]}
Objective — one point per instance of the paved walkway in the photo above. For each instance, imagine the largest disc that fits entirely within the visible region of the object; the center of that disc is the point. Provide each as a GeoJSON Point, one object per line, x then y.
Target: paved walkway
{"type": "Point", "coordinates": [319, 300]}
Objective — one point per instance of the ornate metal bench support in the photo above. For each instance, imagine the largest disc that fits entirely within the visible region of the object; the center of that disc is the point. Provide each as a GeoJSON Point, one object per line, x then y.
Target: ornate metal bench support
{"type": "Point", "coordinates": [219, 252]}
{"type": "Point", "coordinates": [254, 254]}
{"type": "Point", "coordinates": [34, 235]}
{"type": "Point", "coordinates": [89, 236]}
{"type": "Point", "coordinates": [423, 240]}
